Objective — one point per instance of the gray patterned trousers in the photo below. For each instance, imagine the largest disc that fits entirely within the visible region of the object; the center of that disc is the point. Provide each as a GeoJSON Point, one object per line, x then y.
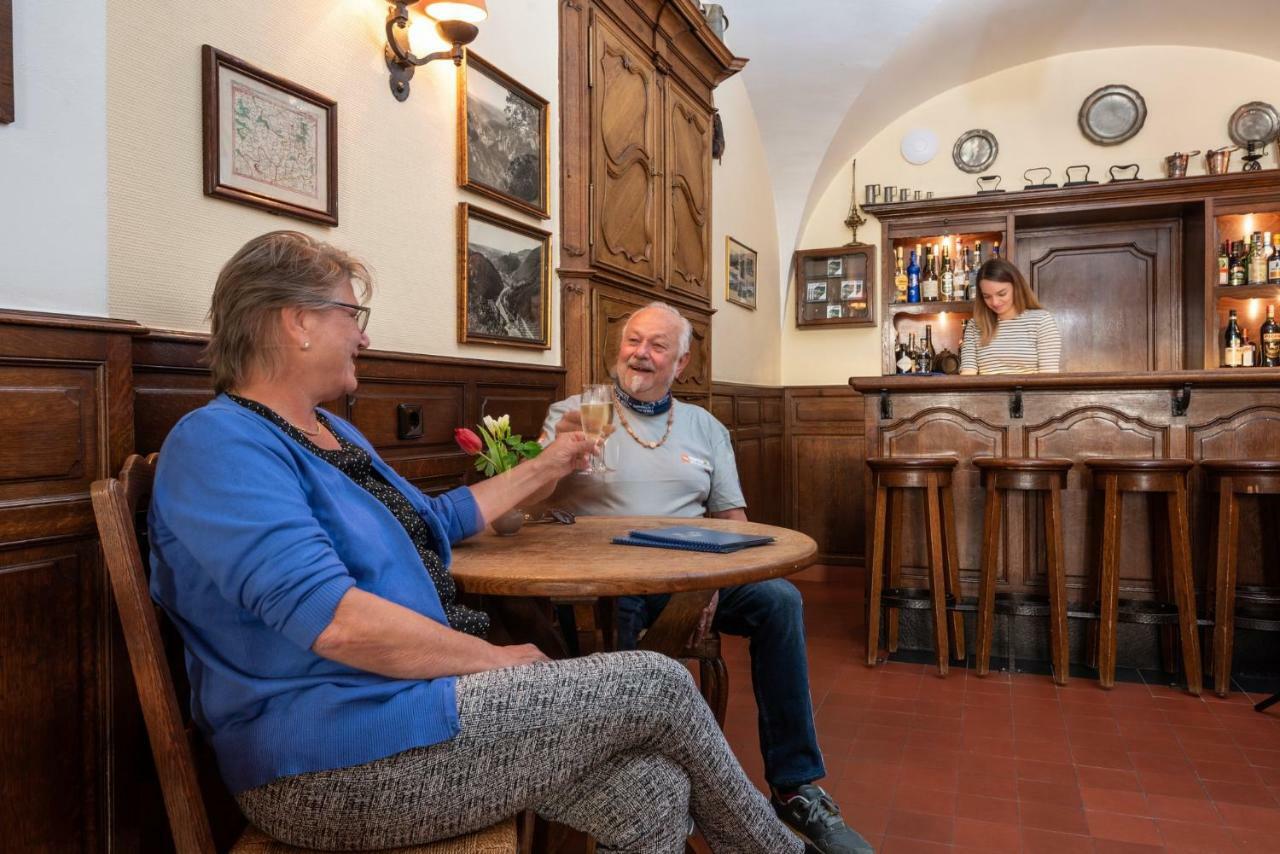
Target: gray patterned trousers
{"type": "Point", "coordinates": [619, 745]}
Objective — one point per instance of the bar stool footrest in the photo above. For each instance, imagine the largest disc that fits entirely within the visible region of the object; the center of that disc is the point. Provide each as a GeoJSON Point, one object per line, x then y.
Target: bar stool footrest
{"type": "Point", "coordinates": [1022, 604]}
{"type": "Point", "coordinates": [1142, 611]}
{"type": "Point", "coordinates": [912, 598]}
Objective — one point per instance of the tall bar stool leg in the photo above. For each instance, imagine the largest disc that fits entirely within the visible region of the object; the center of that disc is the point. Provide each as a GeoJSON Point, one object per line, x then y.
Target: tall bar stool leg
{"type": "Point", "coordinates": [874, 577]}
{"type": "Point", "coordinates": [1058, 636]}
{"type": "Point", "coordinates": [1224, 596]}
{"type": "Point", "coordinates": [1112, 514]}
{"type": "Point", "coordinates": [1184, 587]}
{"type": "Point", "coordinates": [892, 613]}
{"type": "Point", "coordinates": [953, 570]}
{"type": "Point", "coordinates": [987, 581]}
{"type": "Point", "coordinates": [937, 575]}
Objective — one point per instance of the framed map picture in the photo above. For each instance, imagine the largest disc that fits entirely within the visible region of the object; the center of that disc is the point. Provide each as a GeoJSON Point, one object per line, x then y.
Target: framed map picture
{"type": "Point", "coordinates": [268, 143]}
{"type": "Point", "coordinates": [502, 138]}
{"type": "Point", "coordinates": [504, 280]}
{"type": "Point", "coordinates": [740, 273]}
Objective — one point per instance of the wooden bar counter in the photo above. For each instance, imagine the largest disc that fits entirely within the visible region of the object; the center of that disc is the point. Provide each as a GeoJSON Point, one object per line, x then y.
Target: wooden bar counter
{"type": "Point", "coordinates": [1193, 415]}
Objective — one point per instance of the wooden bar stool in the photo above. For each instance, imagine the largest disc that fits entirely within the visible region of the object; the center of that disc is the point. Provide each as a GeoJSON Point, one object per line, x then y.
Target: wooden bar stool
{"type": "Point", "coordinates": [1115, 477]}
{"type": "Point", "coordinates": [1047, 477]}
{"type": "Point", "coordinates": [933, 475]}
{"type": "Point", "coordinates": [1230, 478]}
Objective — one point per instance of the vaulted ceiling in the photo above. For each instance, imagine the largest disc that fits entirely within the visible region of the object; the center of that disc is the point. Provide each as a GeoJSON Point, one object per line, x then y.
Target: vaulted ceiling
{"type": "Point", "coordinates": [826, 75]}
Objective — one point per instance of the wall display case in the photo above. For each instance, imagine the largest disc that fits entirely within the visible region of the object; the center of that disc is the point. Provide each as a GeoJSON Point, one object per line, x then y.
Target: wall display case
{"type": "Point", "coordinates": [1129, 270]}
{"type": "Point", "coordinates": [1235, 226]}
{"type": "Point", "coordinates": [836, 287]}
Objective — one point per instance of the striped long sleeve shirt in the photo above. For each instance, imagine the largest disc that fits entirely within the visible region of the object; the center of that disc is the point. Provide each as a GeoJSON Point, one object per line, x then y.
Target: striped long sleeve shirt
{"type": "Point", "coordinates": [1027, 344]}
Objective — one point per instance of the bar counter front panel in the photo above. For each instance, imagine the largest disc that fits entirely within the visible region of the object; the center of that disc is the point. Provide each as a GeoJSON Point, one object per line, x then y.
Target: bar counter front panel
{"type": "Point", "coordinates": [1193, 415]}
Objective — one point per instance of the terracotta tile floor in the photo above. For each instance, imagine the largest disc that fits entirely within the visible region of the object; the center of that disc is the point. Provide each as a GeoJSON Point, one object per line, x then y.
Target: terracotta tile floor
{"type": "Point", "coordinates": [1003, 763]}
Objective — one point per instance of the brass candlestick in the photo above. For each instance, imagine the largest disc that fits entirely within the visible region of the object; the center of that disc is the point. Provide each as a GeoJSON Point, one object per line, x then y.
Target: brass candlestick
{"type": "Point", "coordinates": [855, 217]}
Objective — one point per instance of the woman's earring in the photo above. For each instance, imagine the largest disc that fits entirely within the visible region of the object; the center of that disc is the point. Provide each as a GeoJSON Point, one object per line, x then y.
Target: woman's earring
{"type": "Point", "coordinates": [306, 345]}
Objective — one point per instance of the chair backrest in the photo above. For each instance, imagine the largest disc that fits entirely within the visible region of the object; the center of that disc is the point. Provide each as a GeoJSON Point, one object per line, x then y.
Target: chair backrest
{"type": "Point", "coordinates": [116, 503]}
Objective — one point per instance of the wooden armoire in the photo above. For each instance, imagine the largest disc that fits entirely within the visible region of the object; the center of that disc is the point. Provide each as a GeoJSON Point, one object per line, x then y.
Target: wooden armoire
{"type": "Point", "coordinates": [636, 83]}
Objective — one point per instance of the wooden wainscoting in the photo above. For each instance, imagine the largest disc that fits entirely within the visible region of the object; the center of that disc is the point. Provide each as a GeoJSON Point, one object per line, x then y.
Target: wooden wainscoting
{"type": "Point", "coordinates": [753, 415]}
{"type": "Point", "coordinates": [823, 470]}
{"type": "Point", "coordinates": [77, 396]}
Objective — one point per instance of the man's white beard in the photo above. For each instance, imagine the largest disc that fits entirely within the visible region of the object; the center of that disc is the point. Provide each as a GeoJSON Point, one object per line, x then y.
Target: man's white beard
{"type": "Point", "coordinates": [633, 382]}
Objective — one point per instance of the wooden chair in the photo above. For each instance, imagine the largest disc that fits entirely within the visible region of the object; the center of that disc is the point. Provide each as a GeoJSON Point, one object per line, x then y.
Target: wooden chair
{"type": "Point", "coordinates": [116, 503]}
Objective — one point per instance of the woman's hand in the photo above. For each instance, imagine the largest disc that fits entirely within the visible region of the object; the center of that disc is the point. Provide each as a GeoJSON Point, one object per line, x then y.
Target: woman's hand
{"type": "Point", "coordinates": [568, 452]}
{"type": "Point", "coordinates": [532, 481]}
{"type": "Point", "coordinates": [517, 655]}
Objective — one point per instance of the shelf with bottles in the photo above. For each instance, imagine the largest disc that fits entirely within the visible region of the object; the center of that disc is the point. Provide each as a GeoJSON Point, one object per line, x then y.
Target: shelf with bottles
{"type": "Point", "coordinates": [1248, 250]}
{"type": "Point", "coordinates": [836, 286]}
{"type": "Point", "coordinates": [945, 332]}
{"type": "Point", "coordinates": [958, 253]}
{"type": "Point", "coordinates": [1250, 335]}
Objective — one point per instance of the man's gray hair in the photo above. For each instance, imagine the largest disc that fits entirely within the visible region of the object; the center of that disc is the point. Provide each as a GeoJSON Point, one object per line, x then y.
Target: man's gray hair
{"type": "Point", "coordinates": [686, 328]}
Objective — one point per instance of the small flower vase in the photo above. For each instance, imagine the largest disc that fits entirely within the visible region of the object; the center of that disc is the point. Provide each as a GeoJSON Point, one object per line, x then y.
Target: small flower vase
{"type": "Point", "coordinates": [508, 523]}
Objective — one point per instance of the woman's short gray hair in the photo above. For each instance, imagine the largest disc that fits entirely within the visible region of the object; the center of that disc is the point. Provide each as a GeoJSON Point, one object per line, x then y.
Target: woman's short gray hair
{"type": "Point", "coordinates": [686, 328]}
{"type": "Point", "coordinates": [270, 272]}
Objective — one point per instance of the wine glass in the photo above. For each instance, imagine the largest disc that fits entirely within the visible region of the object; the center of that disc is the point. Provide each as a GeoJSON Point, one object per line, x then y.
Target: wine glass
{"type": "Point", "coordinates": [596, 411]}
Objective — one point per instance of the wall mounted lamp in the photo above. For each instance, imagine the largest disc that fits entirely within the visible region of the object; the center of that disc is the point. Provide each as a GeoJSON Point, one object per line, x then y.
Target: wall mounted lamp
{"type": "Point", "coordinates": [455, 22]}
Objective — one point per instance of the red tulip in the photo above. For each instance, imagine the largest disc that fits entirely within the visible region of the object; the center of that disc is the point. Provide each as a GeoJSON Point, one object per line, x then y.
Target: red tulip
{"type": "Point", "coordinates": [468, 441]}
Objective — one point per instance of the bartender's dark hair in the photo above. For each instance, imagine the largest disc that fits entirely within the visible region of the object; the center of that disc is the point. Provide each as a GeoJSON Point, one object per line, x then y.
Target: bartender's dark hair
{"type": "Point", "coordinates": [1000, 270]}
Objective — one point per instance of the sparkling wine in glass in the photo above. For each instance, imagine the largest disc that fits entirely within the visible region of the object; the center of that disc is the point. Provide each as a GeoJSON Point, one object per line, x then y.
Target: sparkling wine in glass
{"type": "Point", "coordinates": [596, 412]}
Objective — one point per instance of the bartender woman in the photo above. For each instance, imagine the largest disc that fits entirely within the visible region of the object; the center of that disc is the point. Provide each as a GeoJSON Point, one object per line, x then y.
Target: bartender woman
{"type": "Point", "coordinates": [1010, 332]}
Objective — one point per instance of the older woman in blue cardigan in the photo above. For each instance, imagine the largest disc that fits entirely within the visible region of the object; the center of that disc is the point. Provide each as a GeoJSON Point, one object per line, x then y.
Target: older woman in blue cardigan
{"type": "Point", "coordinates": [352, 701]}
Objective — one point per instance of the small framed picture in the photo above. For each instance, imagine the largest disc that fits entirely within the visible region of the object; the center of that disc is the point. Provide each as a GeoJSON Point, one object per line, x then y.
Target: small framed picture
{"type": "Point", "coordinates": [852, 289]}
{"type": "Point", "coordinates": [502, 138]}
{"type": "Point", "coordinates": [504, 280]}
{"type": "Point", "coordinates": [835, 311]}
{"type": "Point", "coordinates": [815, 292]}
{"type": "Point", "coordinates": [835, 267]}
{"type": "Point", "coordinates": [740, 267]}
{"type": "Point", "coordinates": [268, 142]}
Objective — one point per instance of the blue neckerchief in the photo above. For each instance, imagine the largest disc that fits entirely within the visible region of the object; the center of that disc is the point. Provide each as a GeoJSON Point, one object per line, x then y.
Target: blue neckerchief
{"type": "Point", "coordinates": [643, 407]}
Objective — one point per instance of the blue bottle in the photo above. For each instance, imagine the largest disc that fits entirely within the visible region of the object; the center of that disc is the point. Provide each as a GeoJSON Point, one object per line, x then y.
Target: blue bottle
{"type": "Point", "coordinates": [913, 279]}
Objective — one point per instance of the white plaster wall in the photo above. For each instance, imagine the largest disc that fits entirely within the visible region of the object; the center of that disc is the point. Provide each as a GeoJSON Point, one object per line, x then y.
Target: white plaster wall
{"type": "Point", "coordinates": [397, 172]}
{"type": "Point", "coordinates": [53, 162]}
{"type": "Point", "coordinates": [746, 344]}
{"type": "Point", "coordinates": [1190, 94]}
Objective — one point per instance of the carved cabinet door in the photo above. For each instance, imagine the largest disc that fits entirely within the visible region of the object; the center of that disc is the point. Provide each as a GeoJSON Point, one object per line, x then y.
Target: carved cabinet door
{"type": "Point", "coordinates": [626, 122]}
{"type": "Point", "coordinates": [688, 187]}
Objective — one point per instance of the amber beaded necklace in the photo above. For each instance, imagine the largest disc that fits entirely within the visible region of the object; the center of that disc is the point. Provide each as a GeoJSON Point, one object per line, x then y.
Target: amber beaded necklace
{"type": "Point", "coordinates": [671, 418]}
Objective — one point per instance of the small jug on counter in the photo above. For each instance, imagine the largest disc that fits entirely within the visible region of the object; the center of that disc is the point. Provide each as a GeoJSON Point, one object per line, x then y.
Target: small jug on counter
{"type": "Point", "coordinates": [1218, 160]}
{"type": "Point", "coordinates": [1176, 164]}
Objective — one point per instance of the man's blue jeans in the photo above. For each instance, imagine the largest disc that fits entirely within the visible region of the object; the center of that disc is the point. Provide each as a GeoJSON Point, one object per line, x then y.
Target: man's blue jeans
{"type": "Point", "coordinates": [771, 614]}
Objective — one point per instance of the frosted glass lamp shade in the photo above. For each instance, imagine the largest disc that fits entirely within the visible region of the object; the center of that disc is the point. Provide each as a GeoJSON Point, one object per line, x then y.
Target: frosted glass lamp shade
{"type": "Point", "coordinates": [919, 146]}
{"type": "Point", "coordinates": [470, 11]}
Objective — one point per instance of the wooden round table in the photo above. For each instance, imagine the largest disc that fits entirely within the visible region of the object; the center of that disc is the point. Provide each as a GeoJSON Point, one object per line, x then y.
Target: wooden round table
{"type": "Point", "coordinates": [577, 565]}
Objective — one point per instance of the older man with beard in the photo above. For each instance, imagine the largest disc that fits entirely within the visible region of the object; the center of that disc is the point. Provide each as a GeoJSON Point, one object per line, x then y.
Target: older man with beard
{"type": "Point", "coordinates": [671, 458]}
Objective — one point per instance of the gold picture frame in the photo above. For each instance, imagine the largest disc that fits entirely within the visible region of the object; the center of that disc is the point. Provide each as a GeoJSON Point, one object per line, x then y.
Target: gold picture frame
{"type": "Point", "coordinates": [504, 296]}
{"type": "Point", "coordinates": [504, 149]}
{"type": "Point", "coordinates": [741, 273]}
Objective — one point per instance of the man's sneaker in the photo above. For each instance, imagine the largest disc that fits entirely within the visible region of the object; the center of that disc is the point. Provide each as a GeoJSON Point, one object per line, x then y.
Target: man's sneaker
{"type": "Point", "coordinates": [811, 813]}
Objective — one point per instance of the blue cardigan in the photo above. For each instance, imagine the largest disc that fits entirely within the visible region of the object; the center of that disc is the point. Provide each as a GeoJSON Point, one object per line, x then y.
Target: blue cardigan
{"type": "Point", "coordinates": [254, 539]}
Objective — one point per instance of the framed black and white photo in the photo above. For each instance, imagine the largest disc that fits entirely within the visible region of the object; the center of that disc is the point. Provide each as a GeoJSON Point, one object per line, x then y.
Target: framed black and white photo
{"type": "Point", "coordinates": [268, 142]}
{"type": "Point", "coordinates": [835, 311]}
{"type": "Point", "coordinates": [503, 145]}
{"type": "Point", "coordinates": [504, 280]}
{"type": "Point", "coordinates": [851, 289]}
{"type": "Point", "coordinates": [815, 292]}
{"type": "Point", "coordinates": [740, 273]}
{"type": "Point", "coordinates": [835, 267]}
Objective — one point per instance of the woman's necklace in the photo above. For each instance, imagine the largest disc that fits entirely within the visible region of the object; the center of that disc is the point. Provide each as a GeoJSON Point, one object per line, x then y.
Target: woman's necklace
{"type": "Point", "coordinates": [671, 417]}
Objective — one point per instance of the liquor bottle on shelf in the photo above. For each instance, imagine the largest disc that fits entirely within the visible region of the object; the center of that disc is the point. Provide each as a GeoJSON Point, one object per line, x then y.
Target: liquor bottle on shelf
{"type": "Point", "coordinates": [1232, 342]}
{"type": "Point", "coordinates": [973, 271]}
{"type": "Point", "coordinates": [1270, 340]}
{"type": "Point", "coordinates": [1236, 271]}
{"type": "Point", "coordinates": [1257, 271]}
{"type": "Point", "coordinates": [947, 288]}
{"type": "Point", "coordinates": [960, 272]}
{"type": "Point", "coordinates": [913, 279]}
{"type": "Point", "coordinates": [899, 277]}
{"type": "Point", "coordinates": [995, 253]}
{"type": "Point", "coordinates": [1248, 350]}
{"type": "Point", "coordinates": [1224, 263]}
{"type": "Point", "coordinates": [912, 353]}
{"type": "Point", "coordinates": [926, 355]}
{"type": "Point", "coordinates": [1266, 244]}
{"type": "Point", "coordinates": [929, 277]}
{"type": "Point", "coordinates": [901, 361]}
{"type": "Point", "coordinates": [1273, 263]}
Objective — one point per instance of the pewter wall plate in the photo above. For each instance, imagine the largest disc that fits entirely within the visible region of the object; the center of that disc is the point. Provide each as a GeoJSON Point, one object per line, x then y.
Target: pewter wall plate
{"type": "Point", "coordinates": [975, 151]}
{"type": "Point", "coordinates": [1256, 121]}
{"type": "Point", "coordinates": [1112, 114]}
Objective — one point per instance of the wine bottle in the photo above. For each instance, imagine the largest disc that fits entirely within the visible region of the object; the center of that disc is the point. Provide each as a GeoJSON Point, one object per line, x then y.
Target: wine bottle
{"type": "Point", "coordinates": [925, 360]}
{"type": "Point", "coordinates": [1224, 263]}
{"type": "Point", "coordinates": [973, 271]}
{"type": "Point", "coordinates": [899, 277]}
{"type": "Point", "coordinates": [1232, 342]}
{"type": "Point", "coordinates": [913, 279]}
{"type": "Point", "coordinates": [913, 353]}
{"type": "Point", "coordinates": [948, 286]}
{"type": "Point", "coordinates": [1270, 335]}
{"type": "Point", "coordinates": [1273, 263]}
{"type": "Point", "coordinates": [929, 278]}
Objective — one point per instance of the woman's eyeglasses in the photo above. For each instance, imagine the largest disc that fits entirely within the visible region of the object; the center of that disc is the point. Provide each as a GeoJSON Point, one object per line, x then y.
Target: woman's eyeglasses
{"type": "Point", "coordinates": [361, 315]}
